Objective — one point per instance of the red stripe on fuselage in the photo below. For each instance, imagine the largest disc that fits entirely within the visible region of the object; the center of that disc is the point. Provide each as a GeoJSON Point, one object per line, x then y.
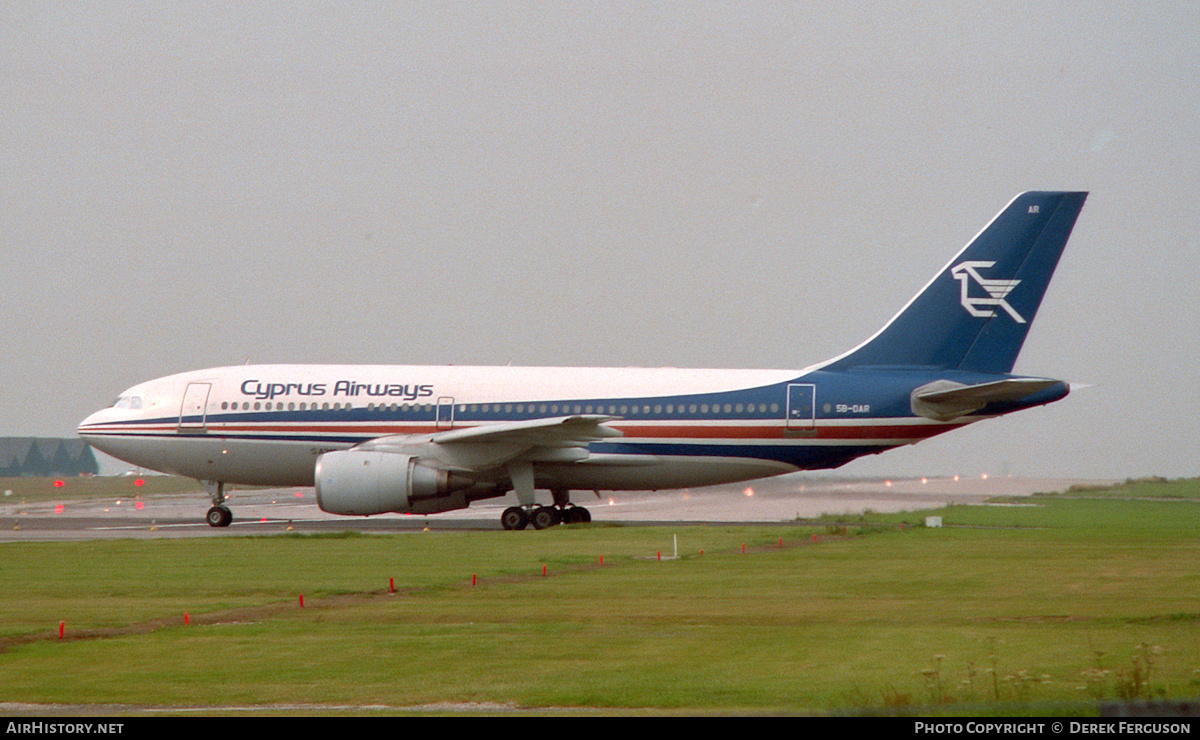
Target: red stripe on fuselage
{"type": "Point", "coordinates": [631, 431]}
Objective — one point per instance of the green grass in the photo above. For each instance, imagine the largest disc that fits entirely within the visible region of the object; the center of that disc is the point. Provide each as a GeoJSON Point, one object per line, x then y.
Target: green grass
{"type": "Point", "coordinates": [29, 490]}
{"type": "Point", "coordinates": [1006, 609]}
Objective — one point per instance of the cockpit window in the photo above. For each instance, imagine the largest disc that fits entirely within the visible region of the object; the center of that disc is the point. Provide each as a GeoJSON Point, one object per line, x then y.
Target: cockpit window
{"type": "Point", "coordinates": [128, 402]}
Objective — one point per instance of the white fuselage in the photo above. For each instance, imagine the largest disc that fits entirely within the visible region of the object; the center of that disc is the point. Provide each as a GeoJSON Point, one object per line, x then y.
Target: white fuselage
{"type": "Point", "coordinates": [267, 424]}
{"type": "Point", "coordinates": [429, 439]}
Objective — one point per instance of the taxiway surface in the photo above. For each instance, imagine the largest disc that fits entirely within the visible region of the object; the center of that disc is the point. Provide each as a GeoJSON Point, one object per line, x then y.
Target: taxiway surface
{"type": "Point", "coordinates": [270, 511]}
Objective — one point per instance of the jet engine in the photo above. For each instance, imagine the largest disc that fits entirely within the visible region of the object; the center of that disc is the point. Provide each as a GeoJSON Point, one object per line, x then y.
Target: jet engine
{"type": "Point", "coordinates": [361, 482]}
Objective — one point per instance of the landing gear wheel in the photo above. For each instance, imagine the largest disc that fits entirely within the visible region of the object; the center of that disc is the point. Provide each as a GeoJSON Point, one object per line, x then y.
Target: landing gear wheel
{"type": "Point", "coordinates": [545, 517]}
{"type": "Point", "coordinates": [514, 517]}
{"type": "Point", "coordinates": [219, 516]}
{"type": "Point", "coordinates": [576, 515]}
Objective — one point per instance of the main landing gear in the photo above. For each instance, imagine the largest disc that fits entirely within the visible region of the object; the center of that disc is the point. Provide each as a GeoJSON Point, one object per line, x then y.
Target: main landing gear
{"type": "Point", "coordinates": [219, 515]}
{"type": "Point", "coordinates": [543, 517]}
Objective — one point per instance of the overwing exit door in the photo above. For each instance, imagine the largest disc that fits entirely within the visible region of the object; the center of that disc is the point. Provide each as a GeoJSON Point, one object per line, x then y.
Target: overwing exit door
{"type": "Point", "coordinates": [445, 412]}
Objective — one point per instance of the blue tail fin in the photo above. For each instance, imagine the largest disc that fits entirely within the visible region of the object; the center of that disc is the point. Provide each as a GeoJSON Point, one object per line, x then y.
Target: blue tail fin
{"type": "Point", "coordinates": [975, 313]}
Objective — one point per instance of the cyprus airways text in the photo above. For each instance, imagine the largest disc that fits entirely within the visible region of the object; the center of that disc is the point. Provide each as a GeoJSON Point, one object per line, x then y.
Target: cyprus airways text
{"type": "Point", "coordinates": [266, 391]}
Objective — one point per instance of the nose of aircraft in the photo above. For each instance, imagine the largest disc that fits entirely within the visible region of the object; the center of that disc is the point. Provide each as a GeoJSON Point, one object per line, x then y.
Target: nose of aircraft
{"type": "Point", "coordinates": [90, 429]}
{"type": "Point", "coordinates": [88, 421]}
{"type": "Point", "coordinates": [87, 424]}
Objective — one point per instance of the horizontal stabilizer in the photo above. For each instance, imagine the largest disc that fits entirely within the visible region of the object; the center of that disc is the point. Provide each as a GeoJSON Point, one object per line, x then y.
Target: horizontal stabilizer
{"type": "Point", "coordinates": [943, 400]}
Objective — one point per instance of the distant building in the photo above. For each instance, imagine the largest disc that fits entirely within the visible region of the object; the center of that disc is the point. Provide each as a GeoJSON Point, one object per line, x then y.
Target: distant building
{"type": "Point", "coordinates": [46, 456]}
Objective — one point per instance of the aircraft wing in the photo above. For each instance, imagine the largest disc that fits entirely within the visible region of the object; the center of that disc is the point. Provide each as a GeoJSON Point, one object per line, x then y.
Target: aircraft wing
{"type": "Point", "coordinates": [943, 400]}
{"type": "Point", "coordinates": [557, 432]}
{"type": "Point", "coordinates": [479, 448]}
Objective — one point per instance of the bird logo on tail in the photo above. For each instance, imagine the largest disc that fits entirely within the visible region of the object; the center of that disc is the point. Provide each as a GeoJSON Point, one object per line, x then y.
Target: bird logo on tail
{"type": "Point", "coordinates": [997, 291]}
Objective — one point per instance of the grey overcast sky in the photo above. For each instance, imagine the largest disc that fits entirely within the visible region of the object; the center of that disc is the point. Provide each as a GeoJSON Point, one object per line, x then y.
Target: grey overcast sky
{"type": "Point", "coordinates": [192, 184]}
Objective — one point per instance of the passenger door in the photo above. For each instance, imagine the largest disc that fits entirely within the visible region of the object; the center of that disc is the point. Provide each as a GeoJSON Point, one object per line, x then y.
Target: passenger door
{"type": "Point", "coordinates": [193, 412]}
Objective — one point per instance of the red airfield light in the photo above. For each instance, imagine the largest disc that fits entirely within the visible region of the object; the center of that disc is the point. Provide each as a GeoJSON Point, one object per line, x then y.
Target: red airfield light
{"type": "Point", "coordinates": [139, 483]}
{"type": "Point", "coordinates": [59, 483]}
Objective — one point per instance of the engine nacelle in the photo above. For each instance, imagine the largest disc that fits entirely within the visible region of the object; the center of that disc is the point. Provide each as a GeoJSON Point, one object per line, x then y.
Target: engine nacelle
{"type": "Point", "coordinates": [358, 482]}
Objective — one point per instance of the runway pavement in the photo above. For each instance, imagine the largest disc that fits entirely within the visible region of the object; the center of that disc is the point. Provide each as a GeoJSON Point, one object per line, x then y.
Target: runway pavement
{"type": "Point", "coordinates": [772, 501]}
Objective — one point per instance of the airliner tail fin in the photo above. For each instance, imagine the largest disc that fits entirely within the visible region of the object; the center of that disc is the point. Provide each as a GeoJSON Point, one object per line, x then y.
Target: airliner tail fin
{"type": "Point", "coordinates": [974, 315]}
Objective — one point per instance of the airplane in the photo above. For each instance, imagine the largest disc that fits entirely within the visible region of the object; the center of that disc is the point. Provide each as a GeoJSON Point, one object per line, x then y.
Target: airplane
{"type": "Point", "coordinates": [422, 440]}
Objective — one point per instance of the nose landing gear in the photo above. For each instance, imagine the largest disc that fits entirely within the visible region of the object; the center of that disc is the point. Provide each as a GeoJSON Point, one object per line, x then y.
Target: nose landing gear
{"type": "Point", "coordinates": [219, 515]}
